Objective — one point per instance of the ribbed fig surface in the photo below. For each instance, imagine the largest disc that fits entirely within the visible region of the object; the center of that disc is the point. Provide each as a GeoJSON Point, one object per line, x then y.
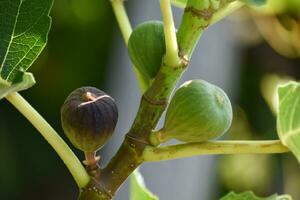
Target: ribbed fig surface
{"type": "Point", "coordinates": [88, 118]}
{"type": "Point", "coordinates": [146, 47]}
{"type": "Point", "coordinates": [198, 111]}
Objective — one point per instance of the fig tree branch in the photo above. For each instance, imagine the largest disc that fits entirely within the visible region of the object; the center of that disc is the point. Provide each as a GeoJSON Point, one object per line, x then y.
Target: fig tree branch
{"type": "Point", "coordinates": [155, 154]}
{"type": "Point", "coordinates": [153, 103]}
{"type": "Point", "coordinates": [198, 15]}
{"type": "Point", "coordinates": [226, 10]}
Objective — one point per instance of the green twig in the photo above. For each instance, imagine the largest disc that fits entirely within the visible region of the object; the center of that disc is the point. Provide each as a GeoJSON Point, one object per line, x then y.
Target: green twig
{"type": "Point", "coordinates": [198, 15]}
{"type": "Point", "coordinates": [227, 10]}
{"type": "Point", "coordinates": [171, 57]}
{"type": "Point", "coordinates": [69, 158]}
{"type": "Point", "coordinates": [155, 154]}
{"type": "Point", "coordinates": [126, 30]}
{"type": "Point", "coordinates": [122, 19]}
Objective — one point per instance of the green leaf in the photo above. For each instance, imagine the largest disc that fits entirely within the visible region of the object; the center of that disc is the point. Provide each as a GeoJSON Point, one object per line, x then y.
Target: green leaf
{"type": "Point", "coordinates": [251, 196]}
{"type": "Point", "coordinates": [138, 190]}
{"type": "Point", "coordinates": [24, 27]}
{"type": "Point", "coordinates": [288, 119]}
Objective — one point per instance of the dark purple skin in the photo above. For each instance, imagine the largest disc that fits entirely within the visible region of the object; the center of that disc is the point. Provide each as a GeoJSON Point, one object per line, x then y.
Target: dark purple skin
{"type": "Point", "coordinates": [89, 117]}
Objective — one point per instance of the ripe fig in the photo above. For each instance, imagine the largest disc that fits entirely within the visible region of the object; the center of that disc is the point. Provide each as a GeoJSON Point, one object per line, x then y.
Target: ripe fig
{"type": "Point", "coordinates": [88, 118]}
{"type": "Point", "coordinates": [199, 111]}
{"type": "Point", "coordinates": [146, 47]}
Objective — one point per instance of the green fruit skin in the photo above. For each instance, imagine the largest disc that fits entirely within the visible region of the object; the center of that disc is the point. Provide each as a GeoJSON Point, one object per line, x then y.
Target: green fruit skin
{"type": "Point", "coordinates": [199, 111]}
{"type": "Point", "coordinates": [146, 47]}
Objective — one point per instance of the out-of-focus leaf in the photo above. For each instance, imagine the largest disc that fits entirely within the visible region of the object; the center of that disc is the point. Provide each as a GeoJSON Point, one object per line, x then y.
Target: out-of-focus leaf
{"type": "Point", "coordinates": [251, 196]}
{"type": "Point", "coordinates": [288, 120]}
{"type": "Point", "coordinates": [268, 87]}
{"type": "Point", "coordinates": [138, 190]}
{"type": "Point", "coordinates": [24, 27]}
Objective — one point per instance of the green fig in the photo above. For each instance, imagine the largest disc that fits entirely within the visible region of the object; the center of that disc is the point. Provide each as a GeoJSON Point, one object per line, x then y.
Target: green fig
{"type": "Point", "coordinates": [88, 118]}
{"type": "Point", "coordinates": [146, 47]}
{"type": "Point", "coordinates": [199, 111]}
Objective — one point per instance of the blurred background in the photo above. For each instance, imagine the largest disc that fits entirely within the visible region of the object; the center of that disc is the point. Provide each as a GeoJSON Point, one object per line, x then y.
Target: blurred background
{"type": "Point", "coordinates": [247, 55]}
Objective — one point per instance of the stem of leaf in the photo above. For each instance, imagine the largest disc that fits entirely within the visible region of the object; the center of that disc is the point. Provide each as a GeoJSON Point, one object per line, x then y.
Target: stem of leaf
{"type": "Point", "coordinates": [63, 150]}
{"type": "Point", "coordinates": [126, 30]}
{"type": "Point", "coordinates": [227, 10]}
{"type": "Point", "coordinates": [171, 57]}
{"type": "Point", "coordinates": [155, 154]}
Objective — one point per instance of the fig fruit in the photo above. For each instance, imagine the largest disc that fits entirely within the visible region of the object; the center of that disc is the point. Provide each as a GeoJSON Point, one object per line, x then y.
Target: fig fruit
{"type": "Point", "coordinates": [146, 47]}
{"type": "Point", "coordinates": [88, 118]}
{"type": "Point", "coordinates": [199, 111]}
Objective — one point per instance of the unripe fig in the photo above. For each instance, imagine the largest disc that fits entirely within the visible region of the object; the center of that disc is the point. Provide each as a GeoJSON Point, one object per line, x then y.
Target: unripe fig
{"type": "Point", "coordinates": [88, 118]}
{"type": "Point", "coordinates": [199, 111]}
{"type": "Point", "coordinates": [146, 47]}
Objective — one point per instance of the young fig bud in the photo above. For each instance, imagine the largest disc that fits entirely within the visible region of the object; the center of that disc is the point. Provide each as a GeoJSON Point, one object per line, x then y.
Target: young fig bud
{"type": "Point", "coordinates": [199, 111]}
{"type": "Point", "coordinates": [146, 47]}
{"type": "Point", "coordinates": [88, 118]}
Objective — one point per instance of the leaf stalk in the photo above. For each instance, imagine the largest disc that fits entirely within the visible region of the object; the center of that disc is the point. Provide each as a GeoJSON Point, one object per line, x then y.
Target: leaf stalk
{"type": "Point", "coordinates": [62, 149]}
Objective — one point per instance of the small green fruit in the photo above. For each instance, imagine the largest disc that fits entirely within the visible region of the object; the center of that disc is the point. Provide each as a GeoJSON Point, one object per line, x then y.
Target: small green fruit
{"type": "Point", "coordinates": [88, 118]}
{"type": "Point", "coordinates": [199, 111]}
{"type": "Point", "coordinates": [146, 47]}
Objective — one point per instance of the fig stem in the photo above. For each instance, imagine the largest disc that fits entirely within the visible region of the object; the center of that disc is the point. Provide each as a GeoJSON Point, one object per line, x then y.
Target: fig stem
{"type": "Point", "coordinates": [171, 57]}
{"type": "Point", "coordinates": [158, 137]}
{"type": "Point", "coordinates": [90, 97]}
{"type": "Point", "coordinates": [227, 10]}
{"type": "Point", "coordinates": [155, 154]}
{"type": "Point", "coordinates": [62, 149]}
{"type": "Point", "coordinates": [91, 159]}
{"type": "Point", "coordinates": [126, 30]}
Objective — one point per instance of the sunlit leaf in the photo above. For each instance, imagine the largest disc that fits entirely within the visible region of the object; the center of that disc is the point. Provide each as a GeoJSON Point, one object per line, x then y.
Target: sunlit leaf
{"type": "Point", "coordinates": [251, 196]}
{"type": "Point", "coordinates": [288, 120]}
{"type": "Point", "coordinates": [24, 27]}
{"type": "Point", "coordinates": [138, 190]}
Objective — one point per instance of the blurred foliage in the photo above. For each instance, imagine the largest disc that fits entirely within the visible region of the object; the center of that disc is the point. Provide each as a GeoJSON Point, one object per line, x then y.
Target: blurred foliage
{"type": "Point", "coordinates": [246, 172]}
{"type": "Point", "coordinates": [269, 84]}
{"type": "Point", "coordinates": [79, 42]}
{"type": "Point", "coordinates": [264, 64]}
{"type": "Point", "coordinates": [279, 24]}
